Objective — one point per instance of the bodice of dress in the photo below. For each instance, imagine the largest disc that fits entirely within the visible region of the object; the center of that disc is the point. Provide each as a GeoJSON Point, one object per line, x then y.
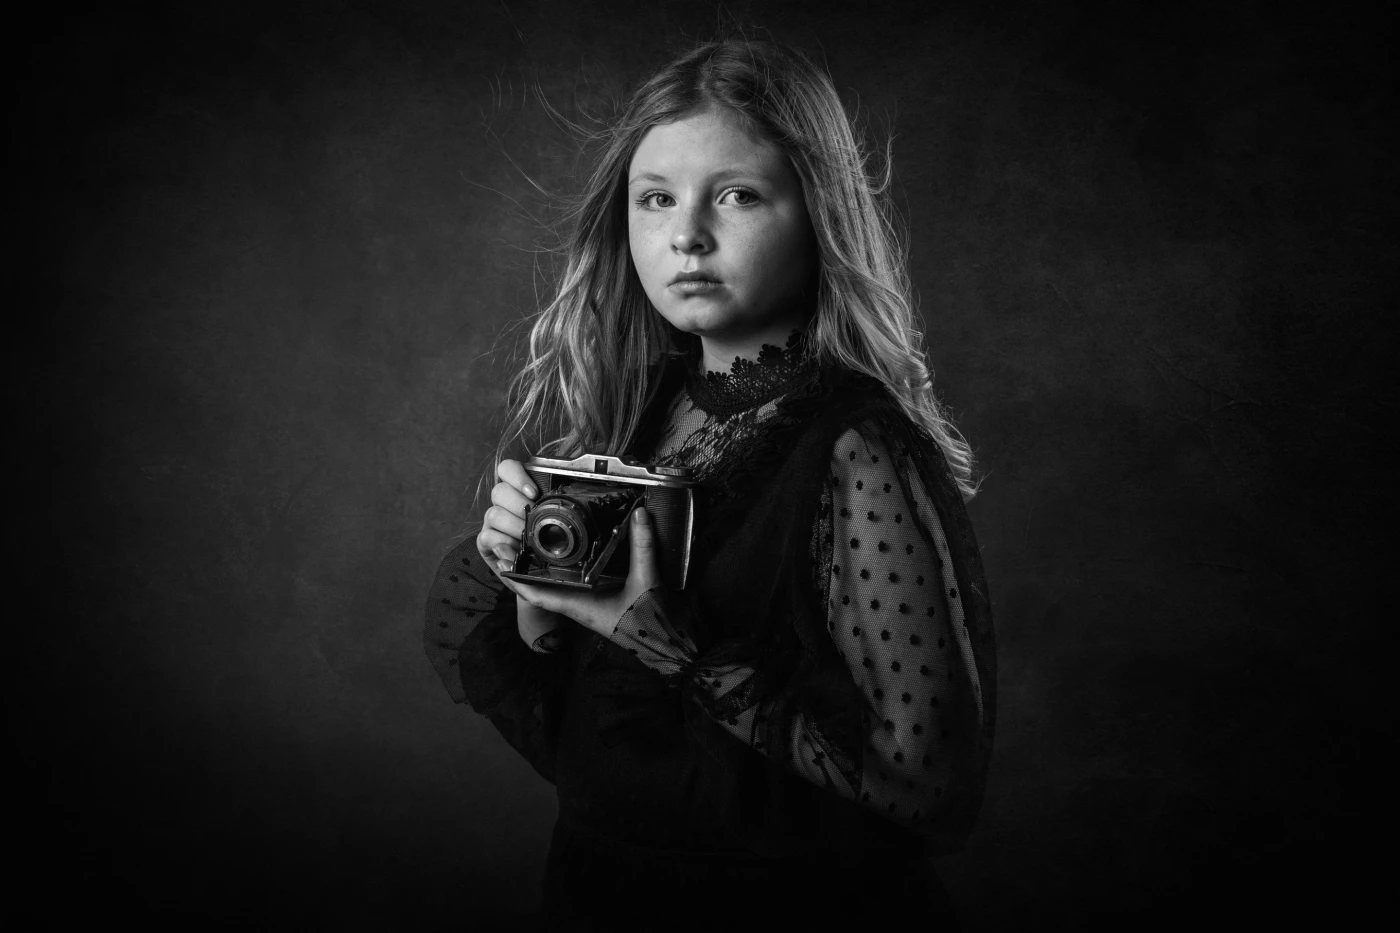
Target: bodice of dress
{"type": "Point", "coordinates": [715, 415]}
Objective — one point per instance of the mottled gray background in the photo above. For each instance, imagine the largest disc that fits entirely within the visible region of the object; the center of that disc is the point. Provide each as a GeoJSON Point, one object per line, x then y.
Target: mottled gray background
{"type": "Point", "coordinates": [267, 256]}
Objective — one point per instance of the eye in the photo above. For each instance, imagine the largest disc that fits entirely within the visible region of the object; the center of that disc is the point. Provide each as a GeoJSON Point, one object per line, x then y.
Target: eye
{"type": "Point", "coordinates": [653, 200]}
{"type": "Point", "coordinates": [741, 197]}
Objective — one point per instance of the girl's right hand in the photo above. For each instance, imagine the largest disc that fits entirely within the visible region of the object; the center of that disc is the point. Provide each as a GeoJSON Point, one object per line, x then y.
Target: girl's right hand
{"type": "Point", "coordinates": [504, 522]}
{"type": "Point", "coordinates": [499, 542]}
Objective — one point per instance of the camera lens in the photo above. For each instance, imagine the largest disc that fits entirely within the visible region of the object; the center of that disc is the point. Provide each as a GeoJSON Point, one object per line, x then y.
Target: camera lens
{"type": "Point", "coordinates": [554, 539]}
{"type": "Point", "coordinates": [558, 534]}
{"type": "Point", "coordinates": [573, 521]}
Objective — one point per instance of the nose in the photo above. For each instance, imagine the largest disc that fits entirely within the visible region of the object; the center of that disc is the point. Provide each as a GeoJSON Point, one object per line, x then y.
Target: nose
{"type": "Point", "coordinates": [691, 233]}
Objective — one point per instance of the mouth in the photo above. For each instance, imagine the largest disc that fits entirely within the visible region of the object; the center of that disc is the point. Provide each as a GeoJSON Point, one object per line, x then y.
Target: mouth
{"type": "Point", "coordinates": [694, 277]}
{"type": "Point", "coordinates": [695, 284]}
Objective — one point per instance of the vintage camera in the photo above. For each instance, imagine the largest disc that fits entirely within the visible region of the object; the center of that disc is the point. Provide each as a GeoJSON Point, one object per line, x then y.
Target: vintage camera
{"type": "Point", "coordinates": [576, 531]}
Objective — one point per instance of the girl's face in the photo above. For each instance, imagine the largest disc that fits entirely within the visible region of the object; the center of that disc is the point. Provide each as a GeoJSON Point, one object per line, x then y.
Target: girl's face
{"type": "Point", "coordinates": [719, 230]}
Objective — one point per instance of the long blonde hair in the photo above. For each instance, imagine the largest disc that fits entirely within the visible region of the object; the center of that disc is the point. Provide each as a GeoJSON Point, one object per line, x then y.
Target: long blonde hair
{"type": "Point", "coordinates": [584, 384]}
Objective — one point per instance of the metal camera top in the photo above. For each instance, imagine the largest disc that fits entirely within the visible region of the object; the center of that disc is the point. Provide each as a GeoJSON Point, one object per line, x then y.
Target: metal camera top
{"type": "Point", "coordinates": [596, 466]}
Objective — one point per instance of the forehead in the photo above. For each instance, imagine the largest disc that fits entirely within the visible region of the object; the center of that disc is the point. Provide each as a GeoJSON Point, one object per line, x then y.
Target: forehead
{"type": "Point", "coordinates": [711, 140]}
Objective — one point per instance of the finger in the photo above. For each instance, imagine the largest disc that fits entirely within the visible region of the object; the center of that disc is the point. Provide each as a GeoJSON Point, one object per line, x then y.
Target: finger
{"type": "Point", "coordinates": [509, 498]}
{"type": "Point", "coordinates": [505, 522]}
{"type": "Point", "coordinates": [493, 546]}
{"type": "Point", "coordinates": [511, 471]}
{"type": "Point", "coordinates": [500, 566]}
{"type": "Point", "coordinates": [490, 541]}
{"type": "Point", "coordinates": [642, 566]}
{"type": "Point", "coordinates": [485, 540]}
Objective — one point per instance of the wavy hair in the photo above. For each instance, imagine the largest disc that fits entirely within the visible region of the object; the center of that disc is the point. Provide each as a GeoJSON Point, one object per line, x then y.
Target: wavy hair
{"type": "Point", "coordinates": [584, 385]}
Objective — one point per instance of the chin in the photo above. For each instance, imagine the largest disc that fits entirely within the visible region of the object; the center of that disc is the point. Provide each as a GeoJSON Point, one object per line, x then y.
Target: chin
{"type": "Point", "coordinates": [701, 321]}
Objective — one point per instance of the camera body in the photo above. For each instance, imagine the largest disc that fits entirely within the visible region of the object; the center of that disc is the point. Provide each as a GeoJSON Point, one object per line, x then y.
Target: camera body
{"type": "Point", "coordinates": [576, 533]}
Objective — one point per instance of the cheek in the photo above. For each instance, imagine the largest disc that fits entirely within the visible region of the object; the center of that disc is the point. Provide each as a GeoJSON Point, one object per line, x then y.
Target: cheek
{"type": "Point", "coordinates": [780, 251]}
{"type": "Point", "coordinates": [642, 240]}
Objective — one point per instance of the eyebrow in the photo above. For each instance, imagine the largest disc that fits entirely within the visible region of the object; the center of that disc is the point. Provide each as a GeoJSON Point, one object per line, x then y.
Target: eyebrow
{"type": "Point", "coordinates": [723, 175]}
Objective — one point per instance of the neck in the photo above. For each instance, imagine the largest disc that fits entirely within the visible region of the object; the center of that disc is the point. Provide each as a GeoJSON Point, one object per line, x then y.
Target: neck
{"type": "Point", "coordinates": [718, 353]}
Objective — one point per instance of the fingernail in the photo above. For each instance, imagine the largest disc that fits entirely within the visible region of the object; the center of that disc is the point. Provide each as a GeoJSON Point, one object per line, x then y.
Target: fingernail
{"type": "Point", "coordinates": [640, 516]}
{"type": "Point", "coordinates": [530, 490]}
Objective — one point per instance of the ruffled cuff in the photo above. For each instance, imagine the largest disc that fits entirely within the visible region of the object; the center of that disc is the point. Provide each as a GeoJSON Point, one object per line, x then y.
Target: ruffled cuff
{"type": "Point", "coordinates": [497, 668]}
{"type": "Point", "coordinates": [472, 637]}
{"type": "Point", "coordinates": [653, 630]}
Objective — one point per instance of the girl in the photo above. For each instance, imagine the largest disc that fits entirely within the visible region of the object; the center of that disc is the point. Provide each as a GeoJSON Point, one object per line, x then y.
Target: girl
{"type": "Point", "coordinates": [787, 739]}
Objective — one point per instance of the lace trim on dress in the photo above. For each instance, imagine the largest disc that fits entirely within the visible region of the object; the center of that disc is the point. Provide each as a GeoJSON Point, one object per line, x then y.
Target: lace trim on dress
{"type": "Point", "coordinates": [751, 383]}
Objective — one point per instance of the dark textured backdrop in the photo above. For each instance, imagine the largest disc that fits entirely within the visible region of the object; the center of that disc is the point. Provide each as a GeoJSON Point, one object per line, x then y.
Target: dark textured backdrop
{"type": "Point", "coordinates": [269, 253]}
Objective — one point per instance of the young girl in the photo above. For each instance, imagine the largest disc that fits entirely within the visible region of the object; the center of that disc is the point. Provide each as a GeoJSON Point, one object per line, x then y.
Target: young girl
{"type": "Point", "coordinates": [789, 737]}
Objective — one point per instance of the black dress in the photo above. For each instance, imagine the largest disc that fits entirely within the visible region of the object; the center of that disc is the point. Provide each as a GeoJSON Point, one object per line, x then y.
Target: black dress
{"type": "Point", "coordinates": [793, 737]}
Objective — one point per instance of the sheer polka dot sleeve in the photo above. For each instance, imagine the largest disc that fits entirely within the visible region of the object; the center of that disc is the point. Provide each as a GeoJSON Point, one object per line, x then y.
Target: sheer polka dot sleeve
{"type": "Point", "coordinates": [894, 615]}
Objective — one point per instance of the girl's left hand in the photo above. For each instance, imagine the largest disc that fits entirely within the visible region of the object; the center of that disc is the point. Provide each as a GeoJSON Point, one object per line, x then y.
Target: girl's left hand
{"type": "Point", "coordinates": [600, 612]}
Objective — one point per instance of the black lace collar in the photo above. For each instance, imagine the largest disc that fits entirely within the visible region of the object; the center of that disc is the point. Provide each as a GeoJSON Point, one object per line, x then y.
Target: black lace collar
{"type": "Point", "coordinates": [749, 384]}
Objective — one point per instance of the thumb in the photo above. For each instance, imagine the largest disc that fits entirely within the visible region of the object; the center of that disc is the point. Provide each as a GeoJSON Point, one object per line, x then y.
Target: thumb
{"type": "Point", "coordinates": [642, 571]}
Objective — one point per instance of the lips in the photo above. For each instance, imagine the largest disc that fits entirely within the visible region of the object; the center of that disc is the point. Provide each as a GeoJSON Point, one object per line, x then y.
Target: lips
{"type": "Point", "coordinates": [696, 276]}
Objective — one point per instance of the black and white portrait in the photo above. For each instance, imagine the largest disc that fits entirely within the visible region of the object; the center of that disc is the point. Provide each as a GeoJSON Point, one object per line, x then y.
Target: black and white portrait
{"type": "Point", "coordinates": [618, 466]}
